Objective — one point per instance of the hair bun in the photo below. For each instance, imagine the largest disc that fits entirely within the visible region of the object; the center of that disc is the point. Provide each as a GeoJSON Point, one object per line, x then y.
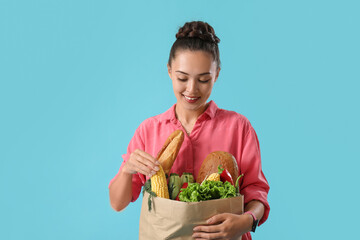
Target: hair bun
{"type": "Point", "coordinates": [198, 29]}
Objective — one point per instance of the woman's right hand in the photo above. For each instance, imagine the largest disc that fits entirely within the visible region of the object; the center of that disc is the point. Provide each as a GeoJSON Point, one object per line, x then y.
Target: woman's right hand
{"type": "Point", "coordinates": [141, 162]}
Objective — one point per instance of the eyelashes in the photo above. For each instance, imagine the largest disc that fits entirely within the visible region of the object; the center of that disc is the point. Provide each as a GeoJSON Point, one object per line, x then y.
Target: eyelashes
{"type": "Point", "coordinates": [201, 81]}
{"type": "Point", "coordinates": [205, 81]}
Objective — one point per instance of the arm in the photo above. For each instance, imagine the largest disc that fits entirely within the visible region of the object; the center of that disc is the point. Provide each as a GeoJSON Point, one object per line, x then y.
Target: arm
{"type": "Point", "coordinates": [254, 187]}
{"type": "Point", "coordinates": [228, 225]}
{"type": "Point", "coordinates": [257, 208]}
{"type": "Point", "coordinates": [120, 190]}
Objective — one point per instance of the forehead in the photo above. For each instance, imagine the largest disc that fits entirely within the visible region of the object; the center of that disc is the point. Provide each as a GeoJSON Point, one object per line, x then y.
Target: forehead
{"type": "Point", "coordinates": [193, 62]}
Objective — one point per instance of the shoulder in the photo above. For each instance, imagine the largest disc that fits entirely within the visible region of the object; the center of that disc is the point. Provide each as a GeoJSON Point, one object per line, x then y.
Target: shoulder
{"type": "Point", "coordinates": [230, 119]}
{"type": "Point", "coordinates": [156, 120]}
{"type": "Point", "coordinates": [232, 116]}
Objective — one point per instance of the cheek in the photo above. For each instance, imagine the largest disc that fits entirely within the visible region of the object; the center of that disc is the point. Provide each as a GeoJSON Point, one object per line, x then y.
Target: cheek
{"type": "Point", "coordinates": [206, 89]}
{"type": "Point", "coordinates": [177, 87]}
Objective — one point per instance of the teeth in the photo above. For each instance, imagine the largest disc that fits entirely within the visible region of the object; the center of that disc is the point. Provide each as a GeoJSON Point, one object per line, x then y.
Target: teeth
{"type": "Point", "coordinates": [190, 98]}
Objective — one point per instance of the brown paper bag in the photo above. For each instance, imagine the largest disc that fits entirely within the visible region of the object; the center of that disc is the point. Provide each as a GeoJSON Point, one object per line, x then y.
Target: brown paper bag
{"type": "Point", "coordinates": [170, 219]}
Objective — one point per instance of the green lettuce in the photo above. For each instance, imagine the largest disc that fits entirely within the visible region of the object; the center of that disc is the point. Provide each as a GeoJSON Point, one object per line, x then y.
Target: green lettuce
{"type": "Point", "coordinates": [206, 191]}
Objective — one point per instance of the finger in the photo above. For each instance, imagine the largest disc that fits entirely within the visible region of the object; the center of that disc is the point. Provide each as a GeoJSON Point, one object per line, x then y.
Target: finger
{"type": "Point", "coordinates": [218, 218]}
{"type": "Point", "coordinates": [208, 229]}
{"type": "Point", "coordinates": [204, 235]}
{"type": "Point", "coordinates": [148, 159]}
{"type": "Point", "coordinates": [139, 161]}
{"type": "Point", "coordinates": [145, 162]}
{"type": "Point", "coordinates": [147, 156]}
{"type": "Point", "coordinates": [138, 167]}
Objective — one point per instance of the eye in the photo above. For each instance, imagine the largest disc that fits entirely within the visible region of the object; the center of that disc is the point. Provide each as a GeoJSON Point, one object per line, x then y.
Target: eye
{"type": "Point", "coordinates": [204, 81]}
{"type": "Point", "coordinates": [182, 79]}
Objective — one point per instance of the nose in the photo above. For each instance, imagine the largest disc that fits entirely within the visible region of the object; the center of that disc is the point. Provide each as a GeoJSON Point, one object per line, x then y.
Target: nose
{"type": "Point", "coordinates": [191, 86]}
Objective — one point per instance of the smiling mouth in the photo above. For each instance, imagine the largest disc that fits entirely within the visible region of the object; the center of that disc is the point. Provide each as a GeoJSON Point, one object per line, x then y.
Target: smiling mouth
{"type": "Point", "coordinates": [191, 98]}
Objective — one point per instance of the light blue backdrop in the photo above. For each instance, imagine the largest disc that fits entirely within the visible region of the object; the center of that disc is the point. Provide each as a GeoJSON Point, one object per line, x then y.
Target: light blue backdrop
{"type": "Point", "coordinates": [78, 77]}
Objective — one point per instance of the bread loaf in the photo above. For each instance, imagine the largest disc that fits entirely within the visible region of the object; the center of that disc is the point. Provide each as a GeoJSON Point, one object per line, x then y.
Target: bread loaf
{"type": "Point", "coordinates": [213, 160]}
{"type": "Point", "coordinates": [170, 150]}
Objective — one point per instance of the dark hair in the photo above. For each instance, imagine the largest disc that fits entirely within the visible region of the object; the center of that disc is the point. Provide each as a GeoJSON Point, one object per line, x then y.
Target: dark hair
{"type": "Point", "coordinates": [196, 35]}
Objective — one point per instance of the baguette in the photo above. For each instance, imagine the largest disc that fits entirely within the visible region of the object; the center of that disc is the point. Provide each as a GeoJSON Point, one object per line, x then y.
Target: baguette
{"type": "Point", "coordinates": [170, 150]}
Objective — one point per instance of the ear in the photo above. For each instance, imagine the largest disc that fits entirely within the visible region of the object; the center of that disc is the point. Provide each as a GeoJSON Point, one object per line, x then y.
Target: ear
{"type": "Point", "coordinates": [217, 73]}
{"type": "Point", "coordinates": [169, 70]}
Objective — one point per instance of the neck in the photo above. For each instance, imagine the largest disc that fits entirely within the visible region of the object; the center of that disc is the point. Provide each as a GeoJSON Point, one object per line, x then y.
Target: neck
{"type": "Point", "coordinates": [189, 116]}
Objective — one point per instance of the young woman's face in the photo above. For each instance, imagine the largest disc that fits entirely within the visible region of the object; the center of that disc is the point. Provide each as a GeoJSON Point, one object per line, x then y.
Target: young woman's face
{"type": "Point", "coordinates": [193, 74]}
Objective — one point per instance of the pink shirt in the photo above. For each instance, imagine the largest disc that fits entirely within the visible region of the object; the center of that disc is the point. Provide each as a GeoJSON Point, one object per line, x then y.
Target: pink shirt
{"type": "Point", "coordinates": [215, 130]}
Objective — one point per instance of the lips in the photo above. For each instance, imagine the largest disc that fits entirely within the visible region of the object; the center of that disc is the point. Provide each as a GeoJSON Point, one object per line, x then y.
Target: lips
{"type": "Point", "coordinates": [191, 99]}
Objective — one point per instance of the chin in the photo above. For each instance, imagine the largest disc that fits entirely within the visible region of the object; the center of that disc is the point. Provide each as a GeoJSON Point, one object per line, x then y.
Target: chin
{"type": "Point", "coordinates": [193, 106]}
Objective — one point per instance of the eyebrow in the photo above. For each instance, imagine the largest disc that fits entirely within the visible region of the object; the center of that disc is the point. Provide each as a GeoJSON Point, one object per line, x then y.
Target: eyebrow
{"type": "Point", "coordinates": [205, 73]}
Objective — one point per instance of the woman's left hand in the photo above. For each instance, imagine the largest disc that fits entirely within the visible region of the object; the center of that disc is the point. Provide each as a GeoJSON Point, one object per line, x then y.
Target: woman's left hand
{"type": "Point", "coordinates": [224, 226]}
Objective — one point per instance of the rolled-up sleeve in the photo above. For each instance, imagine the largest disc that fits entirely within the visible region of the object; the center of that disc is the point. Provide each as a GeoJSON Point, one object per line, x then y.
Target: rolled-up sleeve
{"type": "Point", "coordinates": [138, 179]}
{"type": "Point", "coordinates": [254, 185]}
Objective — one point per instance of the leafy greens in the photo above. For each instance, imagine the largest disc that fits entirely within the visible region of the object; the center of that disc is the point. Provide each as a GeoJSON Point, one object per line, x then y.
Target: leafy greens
{"type": "Point", "coordinates": [206, 191]}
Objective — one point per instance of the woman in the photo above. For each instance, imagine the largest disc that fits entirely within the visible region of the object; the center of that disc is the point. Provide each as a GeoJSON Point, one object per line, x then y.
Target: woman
{"type": "Point", "coordinates": [194, 67]}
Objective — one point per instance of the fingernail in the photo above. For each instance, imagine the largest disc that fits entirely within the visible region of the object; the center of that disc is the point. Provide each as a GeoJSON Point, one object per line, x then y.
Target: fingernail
{"type": "Point", "coordinates": [156, 168]}
{"type": "Point", "coordinates": [208, 221]}
{"type": "Point", "coordinates": [157, 162]}
{"type": "Point", "coordinates": [152, 173]}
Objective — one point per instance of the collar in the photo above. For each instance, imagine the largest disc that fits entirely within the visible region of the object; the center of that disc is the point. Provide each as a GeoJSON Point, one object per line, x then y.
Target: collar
{"type": "Point", "coordinates": [169, 115]}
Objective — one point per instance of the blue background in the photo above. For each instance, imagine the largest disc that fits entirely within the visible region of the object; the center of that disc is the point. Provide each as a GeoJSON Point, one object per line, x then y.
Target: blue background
{"type": "Point", "coordinates": [78, 77]}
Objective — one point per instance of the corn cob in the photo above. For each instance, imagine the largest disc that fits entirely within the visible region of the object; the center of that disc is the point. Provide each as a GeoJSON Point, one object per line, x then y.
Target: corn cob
{"type": "Point", "coordinates": [214, 177]}
{"type": "Point", "coordinates": [159, 184]}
